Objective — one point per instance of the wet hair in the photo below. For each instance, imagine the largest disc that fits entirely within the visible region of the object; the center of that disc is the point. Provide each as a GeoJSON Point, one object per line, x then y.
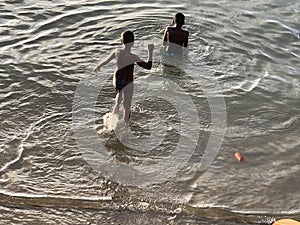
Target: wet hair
{"type": "Point", "coordinates": [179, 19]}
{"type": "Point", "coordinates": [127, 37]}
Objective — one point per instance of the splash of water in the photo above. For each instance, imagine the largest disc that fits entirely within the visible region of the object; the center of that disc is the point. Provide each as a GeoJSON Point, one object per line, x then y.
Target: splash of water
{"type": "Point", "coordinates": [110, 121]}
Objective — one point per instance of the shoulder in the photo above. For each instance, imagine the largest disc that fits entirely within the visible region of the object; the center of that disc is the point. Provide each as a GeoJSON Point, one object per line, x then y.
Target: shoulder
{"type": "Point", "coordinates": [118, 52]}
{"type": "Point", "coordinates": [185, 32]}
{"type": "Point", "coordinates": [133, 56]}
{"type": "Point", "coordinates": [129, 56]}
{"type": "Point", "coordinates": [168, 28]}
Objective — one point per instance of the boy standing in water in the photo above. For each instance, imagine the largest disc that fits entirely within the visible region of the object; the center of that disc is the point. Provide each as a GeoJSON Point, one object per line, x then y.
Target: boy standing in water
{"type": "Point", "coordinates": [123, 76]}
{"type": "Point", "coordinates": [175, 38]}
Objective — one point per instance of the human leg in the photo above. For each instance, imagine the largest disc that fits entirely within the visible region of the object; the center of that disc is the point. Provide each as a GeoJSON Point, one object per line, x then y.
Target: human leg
{"type": "Point", "coordinates": [127, 94]}
{"type": "Point", "coordinates": [119, 98]}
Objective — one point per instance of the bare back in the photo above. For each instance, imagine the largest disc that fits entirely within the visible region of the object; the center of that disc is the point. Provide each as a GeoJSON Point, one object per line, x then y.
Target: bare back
{"type": "Point", "coordinates": [175, 38]}
{"type": "Point", "coordinates": [125, 66]}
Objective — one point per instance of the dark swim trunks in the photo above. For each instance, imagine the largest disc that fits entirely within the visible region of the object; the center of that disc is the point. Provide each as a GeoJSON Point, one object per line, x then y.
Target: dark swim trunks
{"type": "Point", "coordinates": [120, 84]}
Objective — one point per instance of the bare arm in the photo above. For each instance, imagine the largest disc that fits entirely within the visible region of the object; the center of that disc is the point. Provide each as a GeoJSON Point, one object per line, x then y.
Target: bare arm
{"type": "Point", "coordinates": [147, 65]}
{"type": "Point", "coordinates": [165, 38]}
{"type": "Point", "coordinates": [104, 62]}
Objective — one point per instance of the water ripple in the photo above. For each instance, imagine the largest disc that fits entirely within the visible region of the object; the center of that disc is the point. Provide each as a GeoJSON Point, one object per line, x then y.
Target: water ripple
{"type": "Point", "coordinates": [251, 50]}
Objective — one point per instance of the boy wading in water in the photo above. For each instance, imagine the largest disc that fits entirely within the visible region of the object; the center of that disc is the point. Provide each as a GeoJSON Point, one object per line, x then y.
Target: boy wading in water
{"type": "Point", "coordinates": [175, 38]}
{"type": "Point", "coordinates": [123, 76]}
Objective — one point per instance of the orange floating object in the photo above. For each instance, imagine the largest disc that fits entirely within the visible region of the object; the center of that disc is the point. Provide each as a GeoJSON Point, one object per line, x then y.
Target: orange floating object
{"type": "Point", "coordinates": [286, 222]}
{"type": "Point", "coordinates": [239, 157]}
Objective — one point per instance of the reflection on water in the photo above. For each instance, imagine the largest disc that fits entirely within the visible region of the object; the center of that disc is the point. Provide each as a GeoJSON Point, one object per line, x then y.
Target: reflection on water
{"type": "Point", "coordinates": [249, 49]}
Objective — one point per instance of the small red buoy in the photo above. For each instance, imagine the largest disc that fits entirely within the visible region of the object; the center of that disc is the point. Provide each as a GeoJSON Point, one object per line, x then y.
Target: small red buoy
{"type": "Point", "coordinates": [239, 157]}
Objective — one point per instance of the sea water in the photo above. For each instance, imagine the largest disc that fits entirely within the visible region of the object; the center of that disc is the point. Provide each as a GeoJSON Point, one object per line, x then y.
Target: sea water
{"type": "Point", "coordinates": [238, 91]}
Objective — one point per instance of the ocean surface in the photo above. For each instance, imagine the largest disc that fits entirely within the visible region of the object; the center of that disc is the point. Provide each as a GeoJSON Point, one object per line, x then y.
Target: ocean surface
{"type": "Point", "coordinates": [237, 90]}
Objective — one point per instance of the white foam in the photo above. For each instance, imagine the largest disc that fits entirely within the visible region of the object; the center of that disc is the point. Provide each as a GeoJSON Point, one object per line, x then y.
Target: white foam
{"type": "Point", "coordinates": [110, 121]}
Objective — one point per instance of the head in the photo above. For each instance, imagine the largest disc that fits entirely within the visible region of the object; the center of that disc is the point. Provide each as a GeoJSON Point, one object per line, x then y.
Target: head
{"type": "Point", "coordinates": [127, 38]}
{"type": "Point", "coordinates": [179, 19]}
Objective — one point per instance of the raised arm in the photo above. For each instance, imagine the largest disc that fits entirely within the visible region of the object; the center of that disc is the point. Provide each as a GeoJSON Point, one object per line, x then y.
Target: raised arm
{"type": "Point", "coordinates": [147, 65]}
{"type": "Point", "coordinates": [104, 62]}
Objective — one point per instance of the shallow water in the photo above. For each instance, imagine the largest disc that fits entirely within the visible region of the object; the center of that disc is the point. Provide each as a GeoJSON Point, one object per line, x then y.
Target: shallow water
{"type": "Point", "coordinates": [243, 54]}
